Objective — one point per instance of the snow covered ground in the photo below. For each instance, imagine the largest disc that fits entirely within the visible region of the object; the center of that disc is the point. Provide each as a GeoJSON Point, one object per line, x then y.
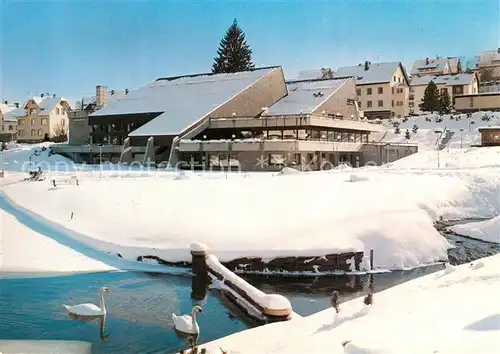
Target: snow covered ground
{"type": "Point", "coordinates": [488, 230]}
{"type": "Point", "coordinates": [390, 210]}
{"type": "Point", "coordinates": [425, 137]}
{"type": "Point", "coordinates": [24, 250]}
{"type": "Point", "coordinates": [451, 311]}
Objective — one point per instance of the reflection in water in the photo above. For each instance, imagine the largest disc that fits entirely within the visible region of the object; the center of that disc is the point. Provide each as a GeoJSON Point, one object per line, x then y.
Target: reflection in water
{"type": "Point", "coordinates": [101, 319]}
{"type": "Point", "coordinates": [309, 295]}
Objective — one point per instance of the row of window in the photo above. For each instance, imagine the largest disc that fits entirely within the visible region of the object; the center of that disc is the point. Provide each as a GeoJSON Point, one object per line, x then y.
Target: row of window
{"type": "Point", "coordinates": [33, 132]}
{"type": "Point", "coordinates": [45, 121]}
{"type": "Point", "coordinates": [11, 127]}
{"type": "Point", "coordinates": [62, 110]}
{"type": "Point", "coordinates": [380, 90]}
{"type": "Point", "coordinates": [380, 103]}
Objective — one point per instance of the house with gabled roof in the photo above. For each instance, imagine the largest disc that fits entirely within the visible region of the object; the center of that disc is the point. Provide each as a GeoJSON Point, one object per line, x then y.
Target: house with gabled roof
{"type": "Point", "coordinates": [489, 61]}
{"type": "Point", "coordinates": [42, 118]}
{"type": "Point", "coordinates": [8, 122]}
{"type": "Point", "coordinates": [382, 88]}
{"type": "Point", "coordinates": [436, 66]}
{"type": "Point", "coordinates": [454, 85]}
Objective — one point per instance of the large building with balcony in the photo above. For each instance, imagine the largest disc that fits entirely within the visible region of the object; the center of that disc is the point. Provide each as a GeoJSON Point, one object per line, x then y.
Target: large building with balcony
{"type": "Point", "coordinates": [382, 88]}
{"type": "Point", "coordinates": [252, 120]}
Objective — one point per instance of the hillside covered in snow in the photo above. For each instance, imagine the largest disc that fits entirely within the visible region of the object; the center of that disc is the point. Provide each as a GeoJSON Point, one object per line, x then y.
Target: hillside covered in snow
{"type": "Point", "coordinates": [424, 130]}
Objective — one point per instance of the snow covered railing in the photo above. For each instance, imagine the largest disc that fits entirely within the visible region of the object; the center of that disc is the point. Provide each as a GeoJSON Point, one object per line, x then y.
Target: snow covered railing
{"type": "Point", "coordinates": [253, 301]}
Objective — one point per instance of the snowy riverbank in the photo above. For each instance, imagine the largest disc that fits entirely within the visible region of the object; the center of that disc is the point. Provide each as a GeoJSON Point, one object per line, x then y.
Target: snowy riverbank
{"type": "Point", "coordinates": [431, 314]}
{"type": "Point", "coordinates": [488, 230]}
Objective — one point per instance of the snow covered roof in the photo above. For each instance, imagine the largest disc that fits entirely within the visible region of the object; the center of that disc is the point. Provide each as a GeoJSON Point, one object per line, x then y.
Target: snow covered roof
{"type": "Point", "coordinates": [489, 128]}
{"type": "Point", "coordinates": [46, 104]}
{"type": "Point", "coordinates": [182, 101]}
{"type": "Point", "coordinates": [315, 74]}
{"type": "Point", "coordinates": [460, 79]}
{"type": "Point", "coordinates": [305, 96]}
{"type": "Point", "coordinates": [489, 58]}
{"type": "Point", "coordinates": [438, 64]}
{"type": "Point", "coordinates": [9, 112]}
{"type": "Point", "coordinates": [376, 73]}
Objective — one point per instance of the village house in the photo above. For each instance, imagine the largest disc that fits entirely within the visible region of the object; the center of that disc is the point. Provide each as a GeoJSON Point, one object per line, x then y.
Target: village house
{"type": "Point", "coordinates": [488, 65]}
{"type": "Point", "coordinates": [8, 122]}
{"type": "Point", "coordinates": [436, 67]}
{"type": "Point", "coordinates": [251, 120]}
{"type": "Point", "coordinates": [455, 85]}
{"type": "Point", "coordinates": [43, 118]}
{"type": "Point", "coordinates": [382, 88]}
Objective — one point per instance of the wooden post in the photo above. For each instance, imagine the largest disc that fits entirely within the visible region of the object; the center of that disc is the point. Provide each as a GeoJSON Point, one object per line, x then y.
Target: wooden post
{"type": "Point", "coordinates": [199, 285]}
{"type": "Point", "coordinates": [371, 259]}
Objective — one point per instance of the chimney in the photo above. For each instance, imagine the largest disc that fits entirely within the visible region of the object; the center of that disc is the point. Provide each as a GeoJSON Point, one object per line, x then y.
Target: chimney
{"type": "Point", "coordinates": [6, 102]}
{"type": "Point", "coordinates": [498, 50]}
{"type": "Point", "coordinates": [54, 95]}
{"type": "Point", "coordinates": [426, 61]}
{"type": "Point", "coordinates": [41, 95]}
{"type": "Point", "coordinates": [126, 91]}
{"type": "Point", "coordinates": [101, 96]}
{"type": "Point", "coordinates": [16, 104]}
{"type": "Point", "coordinates": [367, 65]}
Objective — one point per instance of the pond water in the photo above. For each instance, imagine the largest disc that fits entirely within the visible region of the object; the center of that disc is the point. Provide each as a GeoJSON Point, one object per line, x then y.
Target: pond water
{"type": "Point", "coordinates": [309, 295]}
{"type": "Point", "coordinates": [139, 311]}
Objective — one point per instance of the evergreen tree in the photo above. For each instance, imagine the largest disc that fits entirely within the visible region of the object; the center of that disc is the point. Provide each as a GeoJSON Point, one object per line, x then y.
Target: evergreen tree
{"type": "Point", "coordinates": [397, 130]}
{"type": "Point", "coordinates": [234, 54]}
{"type": "Point", "coordinates": [407, 135]}
{"type": "Point", "coordinates": [430, 101]}
{"type": "Point", "coordinates": [444, 102]}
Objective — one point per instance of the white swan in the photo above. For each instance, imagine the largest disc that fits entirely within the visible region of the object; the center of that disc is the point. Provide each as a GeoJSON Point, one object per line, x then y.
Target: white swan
{"type": "Point", "coordinates": [186, 323]}
{"type": "Point", "coordinates": [89, 309]}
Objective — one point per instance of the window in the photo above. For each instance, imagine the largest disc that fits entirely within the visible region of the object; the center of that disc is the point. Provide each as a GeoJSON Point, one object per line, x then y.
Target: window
{"type": "Point", "coordinates": [21, 132]}
{"type": "Point", "coordinates": [399, 103]}
{"type": "Point", "coordinates": [32, 132]}
{"type": "Point", "coordinates": [32, 111]}
{"type": "Point", "coordinates": [392, 90]}
{"type": "Point", "coordinates": [358, 91]}
{"type": "Point", "coordinates": [11, 127]}
{"type": "Point", "coordinates": [63, 122]}
{"type": "Point", "coordinates": [458, 90]}
{"type": "Point", "coordinates": [369, 104]}
{"type": "Point", "coordinates": [411, 97]}
{"type": "Point", "coordinates": [392, 103]}
{"type": "Point", "coordinates": [57, 110]}
{"type": "Point", "coordinates": [400, 90]}
{"type": "Point", "coordinates": [369, 91]}
{"type": "Point", "coordinates": [359, 104]}
{"type": "Point", "coordinates": [20, 122]}
{"type": "Point", "coordinates": [32, 121]}
{"type": "Point", "coordinates": [394, 78]}
{"type": "Point", "coordinates": [380, 90]}
{"type": "Point", "coordinates": [39, 132]}
{"type": "Point", "coordinates": [45, 121]}
{"type": "Point", "coordinates": [380, 103]}
{"type": "Point", "coordinates": [63, 110]}
{"type": "Point", "coordinates": [443, 90]}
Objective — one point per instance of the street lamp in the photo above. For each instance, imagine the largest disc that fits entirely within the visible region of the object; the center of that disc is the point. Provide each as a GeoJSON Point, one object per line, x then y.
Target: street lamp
{"type": "Point", "coordinates": [100, 161]}
{"type": "Point", "coordinates": [437, 145]}
{"type": "Point", "coordinates": [461, 138]}
{"type": "Point", "coordinates": [2, 173]}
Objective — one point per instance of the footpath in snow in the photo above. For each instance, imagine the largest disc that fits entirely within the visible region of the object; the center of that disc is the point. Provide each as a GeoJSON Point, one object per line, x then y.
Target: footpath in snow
{"type": "Point", "coordinates": [451, 311]}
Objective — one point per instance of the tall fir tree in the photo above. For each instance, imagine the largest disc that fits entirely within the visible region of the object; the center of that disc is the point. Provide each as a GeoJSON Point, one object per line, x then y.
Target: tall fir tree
{"type": "Point", "coordinates": [430, 101]}
{"type": "Point", "coordinates": [445, 102]}
{"type": "Point", "coordinates": [234, 54]}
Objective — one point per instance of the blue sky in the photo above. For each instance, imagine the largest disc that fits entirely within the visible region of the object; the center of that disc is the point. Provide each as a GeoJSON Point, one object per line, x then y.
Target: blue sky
{"type": "Point", "coordinates": [68, 47]}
